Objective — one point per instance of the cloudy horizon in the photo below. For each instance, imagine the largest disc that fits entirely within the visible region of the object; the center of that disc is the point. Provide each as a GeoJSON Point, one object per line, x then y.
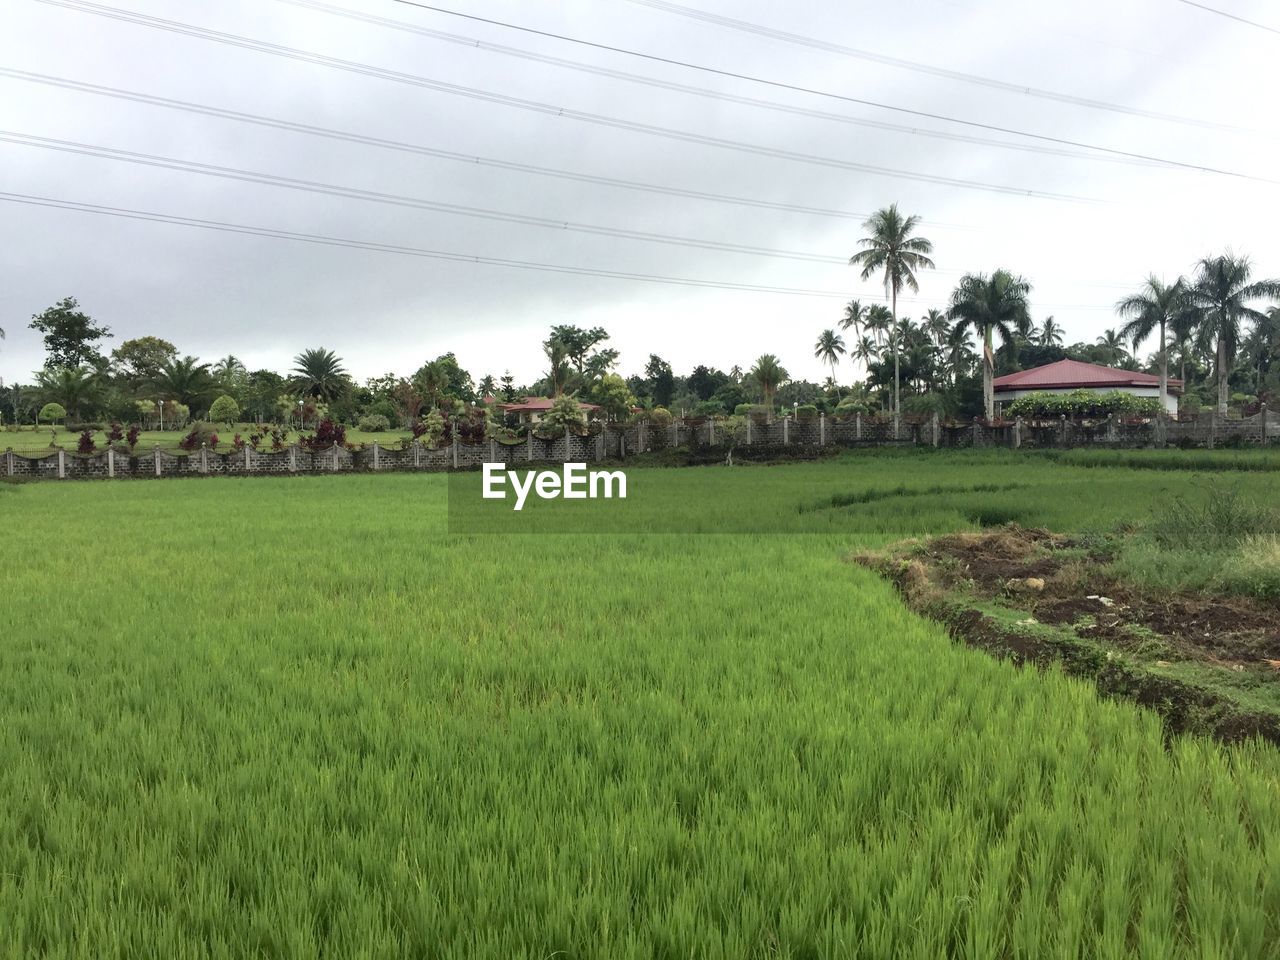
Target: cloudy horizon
{"type": "Point", "coordinates": [264, 299]}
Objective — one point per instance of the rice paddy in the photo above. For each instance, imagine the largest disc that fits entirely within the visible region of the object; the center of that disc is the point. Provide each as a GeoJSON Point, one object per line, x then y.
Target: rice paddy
{"type": "Point", "coordinates": [304, 717]}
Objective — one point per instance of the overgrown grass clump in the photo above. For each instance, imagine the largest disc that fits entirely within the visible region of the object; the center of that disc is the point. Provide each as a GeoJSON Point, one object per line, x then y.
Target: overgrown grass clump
{"type": "Point", "coordinates": [295, 717]}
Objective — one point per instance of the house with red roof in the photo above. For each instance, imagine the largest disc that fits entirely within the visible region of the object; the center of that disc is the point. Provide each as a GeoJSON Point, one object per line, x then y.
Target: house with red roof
{"type": "Point", "coordinates": [1066, 376]}
{"type": "Point", "coordinates": [532, 409]}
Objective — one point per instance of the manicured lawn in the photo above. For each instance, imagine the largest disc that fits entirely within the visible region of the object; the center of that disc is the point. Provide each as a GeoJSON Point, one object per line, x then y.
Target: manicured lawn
{"type": "Point", "coordinates": [299, 717]}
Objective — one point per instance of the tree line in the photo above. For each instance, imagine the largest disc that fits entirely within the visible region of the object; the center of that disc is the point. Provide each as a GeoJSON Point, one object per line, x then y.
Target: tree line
{"type": "Point", "coordinates": [1214, 327]}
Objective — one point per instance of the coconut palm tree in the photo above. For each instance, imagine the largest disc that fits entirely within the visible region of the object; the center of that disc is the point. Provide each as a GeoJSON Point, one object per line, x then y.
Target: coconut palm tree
{"type": "Point", "coordinates": [319, 373]}
{"type": "Point", "coordinates": [1050, 334]}
{"type": "Point", "coordinates": [990, 305]}
{"type": "Point", "coordinates": [1220, 297]}
{"type": "Point", "coordinates": [1156, 307]}
{"type": "Point", "coordinates": [1112, 343]}
{"type": "Point", "coordinates": [937, 326]}
{"type": "Point", "coordinates": [185, 380]}
{"type": "Point", "coordinates": [866, 350]}
{"type": "Point", "coordinates": [959, 352]}
{"type": "Point", "coordinates": [890, 247]}
{"type": "Point", "coordinates": [854, 316]}
{"type": "Point", "coordinates": [770, 375]}
{"type": "Point", "coordinates": [829, 348]}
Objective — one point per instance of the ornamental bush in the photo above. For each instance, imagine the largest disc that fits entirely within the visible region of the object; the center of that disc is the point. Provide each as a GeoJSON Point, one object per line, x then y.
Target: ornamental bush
{"type": "Point", "coordinates": [224, 410]}
{"type": "Point", "coordinates": [660, 416]}
{"type": "Point", "coordinates": [565, 412]}
{"type": "Point", "coordinates": [1082, 403]}
{"type": "Point", "coordinates": [86, 445]}
{"type": "Point", "coordinates": [806, 411]}
{"type": "Point", "coordinates": [374, 423]}
{"type": "Point", "coordinates": [199, 433]}
{"type": "Point", "coordinates": [52, 412]}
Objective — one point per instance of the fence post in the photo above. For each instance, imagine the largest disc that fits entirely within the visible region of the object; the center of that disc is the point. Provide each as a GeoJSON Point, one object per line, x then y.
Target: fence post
{"type": "Point", "coordinates": [933, 428]}
{"type": "Point", "coordinates": [455, 449]}
{"type": "Point", "coordinates": [1162, 419]}
{"type": "Point", "coordinates": [1262, 424]}
{"type": "Point", "coordinates": [857, 425]}
{"type": "Point", "coordinates": [600, 443]}
{"type": "Point", "coordinates": [977, 433]}
{"type": "Point", "coordinates": [1112, 430]}
{"type": "Point", "coordinates": [377, 460]}
{"type": "Point", "coordinates": [822, 429]}
{"type": "Point", "coordinates": [293, 458]}
{"type": "Point", "coordinates": [1017, 432]}
{"type": "Point", "coordinates": [156, 454]}
{"type": "Point", "coordinates": [1062, 429]}
{"type": "Point", "coordinates": [786, 430]}
{"type": "Point", "coordinates": [62, 464]}
{"type": "Point", "coordinates": [493, 450]}
{"type": "Point", "coordinates": [529, 455]}
{"type": "Point", "coordinates": [9, 468]}
{"type": "Point", "coordinates": [622, 444]}
{"type": "Point", "coordinates": [335, 456]}
{"type": "Point", "coordinates": [248, 464]}
{"type": "Point", "coordinates": [711, 431]}
{"type": "Point", "coordinates": [111, 462]}
{"type": "Point", "coordinates": [748, 429]}
{"type": "Point", "coordinates": [675, 434]}
{"type": "Point", "coordinates": [644, 434]}
{"type": "Point", "coordinates": [897, 424]}
{"type": "Point", "coordinates": [204, 458]}
{"type": "Point", "coordinates": [1213, 429]}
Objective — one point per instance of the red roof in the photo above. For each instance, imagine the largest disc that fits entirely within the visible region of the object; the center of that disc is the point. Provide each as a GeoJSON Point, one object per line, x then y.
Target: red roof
{"type": "Point", "coordinates": [539, 405]}
{"type": "Point", "coordinates": [1074, 374]}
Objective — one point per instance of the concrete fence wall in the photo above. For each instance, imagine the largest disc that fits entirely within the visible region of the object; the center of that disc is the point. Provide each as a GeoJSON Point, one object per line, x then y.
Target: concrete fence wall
{"type": "Point", "coordinates": [617, 442]}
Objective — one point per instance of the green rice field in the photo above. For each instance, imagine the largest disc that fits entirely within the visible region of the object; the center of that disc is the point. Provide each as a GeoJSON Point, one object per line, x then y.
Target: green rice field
{"type": "Point", "coordinates": [311, 717]}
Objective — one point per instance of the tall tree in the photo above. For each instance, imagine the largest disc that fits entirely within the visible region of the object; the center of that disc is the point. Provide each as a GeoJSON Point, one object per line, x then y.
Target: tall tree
{"type": "Point", "coordinates": [937, 326]}
{"type": "Point", "coordinates": [661, 381]}
{"type": "Point", "coordinates": [318, 372]}
{"type": "Point", "coordinates": [829, 348]}
{"type": "Point", "coordinates": [582, 349]}
{"type": "Point", "coordinates": [70, 334]}
{"type": "Point", "coordinates": [890, 247]}
{"type": "Point", "coordinates": [78, 389]}
{"type": "Point", "coordinates": [1220, 295]}
{"type": "Point", "coordinates": [141, 358]}
{"type": "Point", "coordinates": [990, 305]}
{"type": "Point", "coordinates": [1112, 344]}
{"type": "Point", "coordinates": [1156, 307]}
{"type": "Point", "coordinates": [770, 375]}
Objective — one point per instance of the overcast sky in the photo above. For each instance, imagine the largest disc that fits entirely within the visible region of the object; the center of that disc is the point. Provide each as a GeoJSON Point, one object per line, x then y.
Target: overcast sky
{"type": "Point", "coordinates": [265, 299]}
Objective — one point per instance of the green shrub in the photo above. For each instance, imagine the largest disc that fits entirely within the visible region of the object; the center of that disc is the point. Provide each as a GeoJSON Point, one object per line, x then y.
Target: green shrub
{"type": "Point", "coordinates": [660, 416]}
{"type": "Point", "coordinates": [1082, 403]}
{"type": "Point", "coordinates": [374, 423]}
{"type": "Point", "coordinates": [565, 413]}
{"type": "Point", "coordinates": [709, 408]}
{"type": "Point", "coordinates": [806, 411]}
{"type": "Point", "coordinates": [52, 412]}
{"type": "Point", "coordinates": [433, 429]}
{"type": "Point", "coordinates": [925, 403]}
{"type": "Point", "coordinates": [224, 410]}
{"type": "Point", "coordinates": [1223, 519]}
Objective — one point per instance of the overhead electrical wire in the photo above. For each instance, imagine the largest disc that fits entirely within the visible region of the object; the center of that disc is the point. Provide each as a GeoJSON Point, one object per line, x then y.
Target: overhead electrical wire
{"type": "Point", "coordinates": [456, 89]}
{"type": "Point", "coordinates": [1230, 16]}
{"type": "Point", "coordinates": [477, 44]}
{"type": "Point", "coordinates": [422, 150]}
{"type": "Point", "coordinates": [399, 200]}
{"type": "Point", "coordinates": [827, 46]}
{"type": "Point", "coordinates": [379, 247]}
{"type": "Point", "coordinates": [925, 114]}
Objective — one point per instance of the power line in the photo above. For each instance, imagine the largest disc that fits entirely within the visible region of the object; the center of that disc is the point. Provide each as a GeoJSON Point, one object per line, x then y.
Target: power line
{"type": "Point", "coordinates": [477, 44]}
{"type": "Point", "coordinates": [1230, 16]}
{"type": "Point", "coordinates": [813, 43]}
{"type": "Point", "coordinates": [378, 247]}
{"type": "Point", "coordinates": [321, 239]}
{"type": "Point", "coordinates": [414, 148]}
{"type": "Point", "coordinates": [260, 46]}
{"type": "Point", "coordinates": [995, 128]}
{"type": "Point", "coordinates": [399, 200]}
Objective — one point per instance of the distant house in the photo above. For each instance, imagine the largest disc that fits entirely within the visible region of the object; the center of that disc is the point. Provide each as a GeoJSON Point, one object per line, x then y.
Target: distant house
{"type": "Point", "coordinates": [532, 409]}
{"type": "Point", "coordinates": [1066, 376]}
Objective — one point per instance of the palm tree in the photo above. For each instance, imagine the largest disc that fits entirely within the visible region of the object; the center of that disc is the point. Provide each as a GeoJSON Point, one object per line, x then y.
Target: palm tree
{"type": "Point", "coordinates": [770, 375]}
{"type": "Point", "coordinates": [76, 388]}
{"type": "Point", "coordinates": [1220, 296]}
{"type": "Point", "coordinates": [432, 382]}
{"type": "Point", "coordinates": [829, 348]}
{"type": "Point", "coordinates": [866, 350]}
{"type": "Point", "coordinates": [185, 380]}
{"type": "Point", "coordinates": [1112, 343]}
{"type": "Point", "coordinates": [890, 247]}
{"type": "Point", "coordinates": [559, 372]}
{"type": "Point", "coordinates": [990, 305]}
{"type": "Point", "coordinates": [1050, 333]}
{"type": "Point", "coordinates": [854, 316]}
{"type": "Point", "coordinates": [937, 326]}
{"type": "Point", "coordinates": [1157, 306]}
{"type": "Point", "coordinates": [319, 373]}
{"type": "Point", "coordinates": [959, 352]}
{"type": "Point", "coordinates": [879, 321]}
